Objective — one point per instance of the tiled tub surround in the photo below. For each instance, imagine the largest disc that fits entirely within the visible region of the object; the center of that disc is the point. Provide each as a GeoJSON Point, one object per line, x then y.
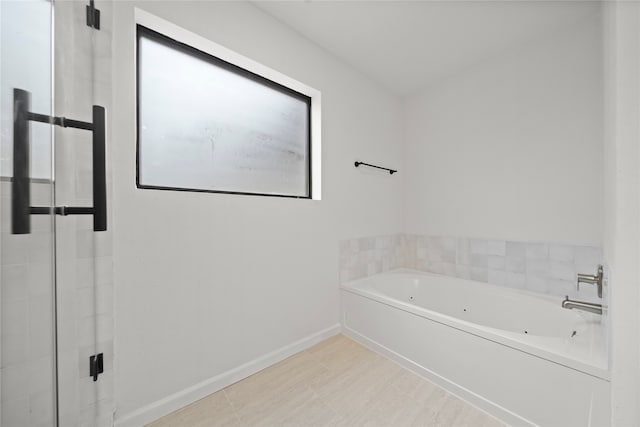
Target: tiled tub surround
{"type": "Point", "coordinates": [366, 256]}
{"type": "Point", "coordinates": [542, 267]}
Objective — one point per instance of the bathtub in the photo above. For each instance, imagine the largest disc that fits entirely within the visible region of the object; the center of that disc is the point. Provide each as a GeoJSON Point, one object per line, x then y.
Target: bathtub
{"type": "Point", "coordinates": [517, 355]}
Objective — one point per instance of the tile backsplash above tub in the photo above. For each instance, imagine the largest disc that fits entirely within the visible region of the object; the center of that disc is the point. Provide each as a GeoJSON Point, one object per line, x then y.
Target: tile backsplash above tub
{"type": "Point", "coordinates": [366, 256]}
{"type": "Point", "coordinates": [542, 267]}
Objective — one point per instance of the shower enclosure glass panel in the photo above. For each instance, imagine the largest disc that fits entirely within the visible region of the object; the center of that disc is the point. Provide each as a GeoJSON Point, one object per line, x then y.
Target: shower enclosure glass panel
{"type": "Point", "coordinates": [55, 251]}
{"type": "Point", "coordinates": [83, 243]}
{"type": "Point", "coordinates": [27, 286]}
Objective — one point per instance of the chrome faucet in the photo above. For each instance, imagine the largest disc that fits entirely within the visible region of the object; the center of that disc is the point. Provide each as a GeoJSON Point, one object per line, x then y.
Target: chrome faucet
{"type": "Point", "coordinates": [580, 305]}
{"type": "Point", "coordinates": [594, 280]}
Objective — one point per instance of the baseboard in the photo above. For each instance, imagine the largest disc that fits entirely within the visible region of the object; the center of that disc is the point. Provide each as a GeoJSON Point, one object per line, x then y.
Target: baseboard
{"type": "Point", "coordinates": [462, 393]}
{"type": "Point", "coordinates": [192, 394]}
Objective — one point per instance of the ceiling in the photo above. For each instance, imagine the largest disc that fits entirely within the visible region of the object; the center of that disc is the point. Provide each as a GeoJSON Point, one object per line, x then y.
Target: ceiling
{"type": "Point", "coordinates": [406, 45]}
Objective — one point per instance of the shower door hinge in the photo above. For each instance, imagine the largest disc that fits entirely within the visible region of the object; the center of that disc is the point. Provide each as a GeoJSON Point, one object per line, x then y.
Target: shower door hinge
{"type": "Point", "coordinates": [96, 367]}
{"type": "Point", "coordinates": [93, 16]}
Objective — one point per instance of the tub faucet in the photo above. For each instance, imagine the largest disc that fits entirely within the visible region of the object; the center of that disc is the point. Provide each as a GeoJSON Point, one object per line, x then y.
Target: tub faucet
{"type": "Point", "coordinates": [581, 305]}
{"type": "Point", "coordinates": [594, 280]}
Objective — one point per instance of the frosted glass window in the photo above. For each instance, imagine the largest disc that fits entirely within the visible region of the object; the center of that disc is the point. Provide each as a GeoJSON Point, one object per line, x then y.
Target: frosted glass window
{"type": "Point", "coordinates": [207, 125]}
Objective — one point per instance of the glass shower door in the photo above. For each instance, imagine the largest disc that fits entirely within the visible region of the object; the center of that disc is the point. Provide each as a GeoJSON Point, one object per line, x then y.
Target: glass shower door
{"type": "Point", "coordinates": [83, 243]}
{"type": "Point", "coordinates": [56, 344]}
{"type": "Point", "coordinates": [27, 277]}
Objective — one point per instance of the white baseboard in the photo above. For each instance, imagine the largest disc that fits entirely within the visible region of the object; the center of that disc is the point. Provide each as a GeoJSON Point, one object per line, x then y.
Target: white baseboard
{"type": "Point", "coordinates": [464, 394]}
{"type": "Point", "coordinates": [198, 391]}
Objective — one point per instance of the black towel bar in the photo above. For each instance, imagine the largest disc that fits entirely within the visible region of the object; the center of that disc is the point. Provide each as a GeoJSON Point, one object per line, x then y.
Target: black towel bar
{"type": "Point", "coordinates": [391, 171]}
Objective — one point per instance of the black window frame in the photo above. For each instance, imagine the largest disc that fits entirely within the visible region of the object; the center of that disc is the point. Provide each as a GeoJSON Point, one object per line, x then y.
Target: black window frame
{"type": "Point", "coordinates": [142, 31]}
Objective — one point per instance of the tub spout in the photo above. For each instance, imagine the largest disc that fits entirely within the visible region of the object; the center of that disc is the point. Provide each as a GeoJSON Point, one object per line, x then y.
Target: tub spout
{"type": "Point", "coordinates": [581, 305]}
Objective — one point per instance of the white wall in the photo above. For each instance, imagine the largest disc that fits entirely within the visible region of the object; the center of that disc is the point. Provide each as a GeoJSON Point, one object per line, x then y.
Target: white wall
{"type": "Point", "coordinates": [511, 148]}
{"type": "Point", "coordinates": [622, 201]}
{"type": "Point", "coordinates": [207, 282]}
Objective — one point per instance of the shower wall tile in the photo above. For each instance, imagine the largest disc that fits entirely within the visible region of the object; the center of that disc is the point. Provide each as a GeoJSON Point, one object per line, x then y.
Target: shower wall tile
{"type": "Point", "coordinates": [370, 255]}
{"type": "Point", "coordinates": [543, 267]}
{"type": "Point", "coordinates": [497, 277]}
{"type": "Point", "coordinates": [478, 246]}
{"type": "Point", "coordinates": [479, 260]}
{"type": "Point", "coordinates": [537, 284]}
{"type": "Point", "coordinates": [515, 280]}
{"type": "Point", "coordinates": [479, 274]}
{"type": "Point", "coordinates": [537, 251]}
{"type": "Point", "coordinates": [564, 287]}
{"type": "Point", "coordinates": [537, 267]}
{"type": "Point", "coordinates": [562, 270]}
{"type": "Point", "coordinates": [441, 249]}
{"type": "Point", "coordinates": [463, 254]}
{"type": "Point", "coordinates": [446, 268]}
{"type": "Point", "coordinates": [516, 249]}
{"type": "Point", "coordinates": [561, 253]}
{"type": "Point", "coordinates": [497, 247]}
{"type": "Point", "coordinates": [496, 262]}
{"type": "Point", "coordinates": [515, 264]}
{"type": "Point", "coordinates": [586, 256]}
{"type": "Point", "coordinates": [462, 271]}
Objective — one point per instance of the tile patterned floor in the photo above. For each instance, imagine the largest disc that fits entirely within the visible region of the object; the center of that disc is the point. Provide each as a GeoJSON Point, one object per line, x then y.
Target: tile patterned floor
{"type": "Point", "coordinates": [338, 382]}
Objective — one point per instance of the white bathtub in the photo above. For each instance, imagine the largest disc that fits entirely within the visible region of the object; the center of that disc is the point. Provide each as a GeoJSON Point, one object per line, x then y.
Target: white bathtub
{"type": "Point", "coordinates": [515, 354]}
